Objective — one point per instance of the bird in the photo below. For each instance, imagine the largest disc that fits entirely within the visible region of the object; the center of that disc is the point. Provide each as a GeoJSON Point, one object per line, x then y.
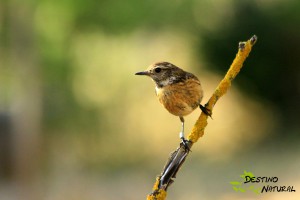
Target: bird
{"type": "Point", "coordinates": [180, 92]}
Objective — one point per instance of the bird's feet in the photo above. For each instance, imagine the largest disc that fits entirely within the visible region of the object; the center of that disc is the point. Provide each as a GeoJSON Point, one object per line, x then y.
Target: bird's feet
{"type": "Point", "coordinates": [185, 144]}
{"type": "Point", "coordinates": [206, 110]}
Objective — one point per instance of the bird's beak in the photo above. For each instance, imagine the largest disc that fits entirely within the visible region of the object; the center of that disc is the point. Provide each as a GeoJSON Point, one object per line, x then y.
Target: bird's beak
{"type": "Point", "coordinates": [143, 73]}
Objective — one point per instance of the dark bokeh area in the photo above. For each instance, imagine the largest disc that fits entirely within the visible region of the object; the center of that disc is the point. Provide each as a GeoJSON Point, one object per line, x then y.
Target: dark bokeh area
{"type": "Point", "coordinates": [274, 71]}
{"type": "Point", "coordinates": [75, 123]}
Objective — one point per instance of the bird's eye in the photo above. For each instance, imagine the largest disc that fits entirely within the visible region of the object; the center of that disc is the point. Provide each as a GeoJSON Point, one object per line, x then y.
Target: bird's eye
{"type": "Point", "coordinates": [157, 70]}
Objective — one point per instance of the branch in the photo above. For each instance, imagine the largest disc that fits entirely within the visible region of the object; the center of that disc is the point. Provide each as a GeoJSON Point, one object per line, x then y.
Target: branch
{"type": "Point", "coordinates": [178, 157]}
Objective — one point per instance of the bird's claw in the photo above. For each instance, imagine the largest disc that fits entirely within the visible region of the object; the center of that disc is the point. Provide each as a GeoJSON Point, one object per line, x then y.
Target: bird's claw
{"type": "Point", "coordinates": [185, 144]}
{"type": "Point", "coordinates": [207, 111]}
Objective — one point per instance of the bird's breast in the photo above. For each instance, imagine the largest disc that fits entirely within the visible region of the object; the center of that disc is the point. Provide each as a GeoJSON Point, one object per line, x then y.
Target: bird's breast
{"type": "Point", "coordinates": [181, 98]}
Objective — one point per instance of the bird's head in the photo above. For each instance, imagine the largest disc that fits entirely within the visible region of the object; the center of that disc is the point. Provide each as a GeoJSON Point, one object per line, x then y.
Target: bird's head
{"type": "Point", "coordinates": [163, 73]}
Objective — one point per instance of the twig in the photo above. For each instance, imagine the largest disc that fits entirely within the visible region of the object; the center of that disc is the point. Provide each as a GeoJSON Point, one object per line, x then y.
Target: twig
{"type": "Point", "coordinates": [178, 157]}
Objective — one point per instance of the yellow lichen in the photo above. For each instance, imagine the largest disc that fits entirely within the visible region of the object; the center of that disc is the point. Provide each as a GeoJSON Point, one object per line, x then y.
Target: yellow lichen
{"type": "Point", "coordinates": [160, 195]}
{"type": "Point", "coordinates": [224, 85]}
{"type": "Point", "coordinates": [201, 123]}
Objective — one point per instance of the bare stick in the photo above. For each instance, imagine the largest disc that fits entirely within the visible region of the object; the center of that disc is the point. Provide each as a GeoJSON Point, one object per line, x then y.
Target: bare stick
{"type": "Point", "coordinates": [178, 157]}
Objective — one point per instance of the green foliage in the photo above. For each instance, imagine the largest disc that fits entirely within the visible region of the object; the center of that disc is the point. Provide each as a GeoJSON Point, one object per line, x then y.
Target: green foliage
{"type": "Point", "coordinates": [119, 16]}
{"type": "Point", "coordinates": [210, 27]}
{"type": "Point", "coordinates": [271, 75]}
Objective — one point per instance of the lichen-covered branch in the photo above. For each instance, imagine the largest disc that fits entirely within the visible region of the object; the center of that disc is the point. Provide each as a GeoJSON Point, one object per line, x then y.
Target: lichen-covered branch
{"type": "Point", "coordinates": [178, 157]}
{"type": "Point", "coordinates": [237, 64]}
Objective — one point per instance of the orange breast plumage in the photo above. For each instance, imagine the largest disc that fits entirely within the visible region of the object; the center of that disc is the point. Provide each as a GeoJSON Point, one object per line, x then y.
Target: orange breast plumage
{"type": "Point", "coordinates": [180, 98]}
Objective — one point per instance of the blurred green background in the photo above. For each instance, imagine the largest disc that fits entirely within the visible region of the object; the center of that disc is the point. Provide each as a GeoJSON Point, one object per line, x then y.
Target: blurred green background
{"type": "Point", "coordinates": [75, 123]}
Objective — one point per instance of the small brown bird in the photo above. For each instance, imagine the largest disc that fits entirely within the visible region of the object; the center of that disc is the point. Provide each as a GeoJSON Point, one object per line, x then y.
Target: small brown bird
{"type": "Point", "coordinates": [179, 91]}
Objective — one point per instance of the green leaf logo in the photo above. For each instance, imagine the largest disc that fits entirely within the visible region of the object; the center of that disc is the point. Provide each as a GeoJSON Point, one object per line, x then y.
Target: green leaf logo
{"type": "Point", "coordinates": [235, 183]}
{"type": "Point", "coordinates": [239, 186]}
